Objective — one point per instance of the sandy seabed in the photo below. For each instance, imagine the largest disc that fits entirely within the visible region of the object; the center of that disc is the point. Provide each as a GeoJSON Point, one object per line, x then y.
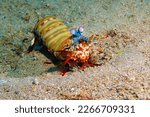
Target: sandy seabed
{"type": "Point", "coordinates": [125, 70]}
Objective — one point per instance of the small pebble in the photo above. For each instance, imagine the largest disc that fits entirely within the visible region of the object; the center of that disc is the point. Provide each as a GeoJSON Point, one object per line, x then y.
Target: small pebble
{"type": "Point", "coordinates": [35, 81]}
{"type": "Point", "coordinates": [112, 33]}
{"type": "Point", "coordinates": [2, 82]}
{"type": "Point", "coordinates": [17, 92]}
{"type": "Point", "coordinates": [72, 89]}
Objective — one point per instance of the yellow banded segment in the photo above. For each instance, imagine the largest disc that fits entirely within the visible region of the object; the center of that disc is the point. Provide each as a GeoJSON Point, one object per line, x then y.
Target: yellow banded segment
{"type": "Point", "coordinates": [54, 30]}
{"type": "Point", "coordinates": [54, 34]}
{"type": "Point", "coordinates": [50, 23]}
{"type": "Point", "coordinates": [56, 40]}
{"type": "Point", "coordinates": [44, 20]}
{"type": "Point", "coordinates": [59, 46]}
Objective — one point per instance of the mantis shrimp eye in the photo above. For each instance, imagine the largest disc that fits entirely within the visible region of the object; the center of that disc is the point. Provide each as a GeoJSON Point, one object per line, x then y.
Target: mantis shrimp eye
{"type": "Point", "coordinates": [73, 31]}
{"type": "Point", "coordinates": [81, 29]}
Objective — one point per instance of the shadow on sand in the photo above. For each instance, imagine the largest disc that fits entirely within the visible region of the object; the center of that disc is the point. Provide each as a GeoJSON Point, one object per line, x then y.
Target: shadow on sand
{"type": "Point", "coordinates": [43, 50]}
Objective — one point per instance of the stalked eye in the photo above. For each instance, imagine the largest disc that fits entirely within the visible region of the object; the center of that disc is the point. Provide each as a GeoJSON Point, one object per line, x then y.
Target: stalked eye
{"type": "Point", "coordinates": [73, 31]}
{"type": "Point", "coordinates": [81, 29]}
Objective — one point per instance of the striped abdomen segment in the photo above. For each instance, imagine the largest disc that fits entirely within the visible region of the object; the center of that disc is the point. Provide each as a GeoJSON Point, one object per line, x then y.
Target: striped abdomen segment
{"type": "Point", "coordinates": [54, 33]}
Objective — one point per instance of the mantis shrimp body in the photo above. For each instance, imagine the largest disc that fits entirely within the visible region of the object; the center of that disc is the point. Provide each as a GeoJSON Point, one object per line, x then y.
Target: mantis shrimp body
{"type": "Point", "coordinates": [58, 39]}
